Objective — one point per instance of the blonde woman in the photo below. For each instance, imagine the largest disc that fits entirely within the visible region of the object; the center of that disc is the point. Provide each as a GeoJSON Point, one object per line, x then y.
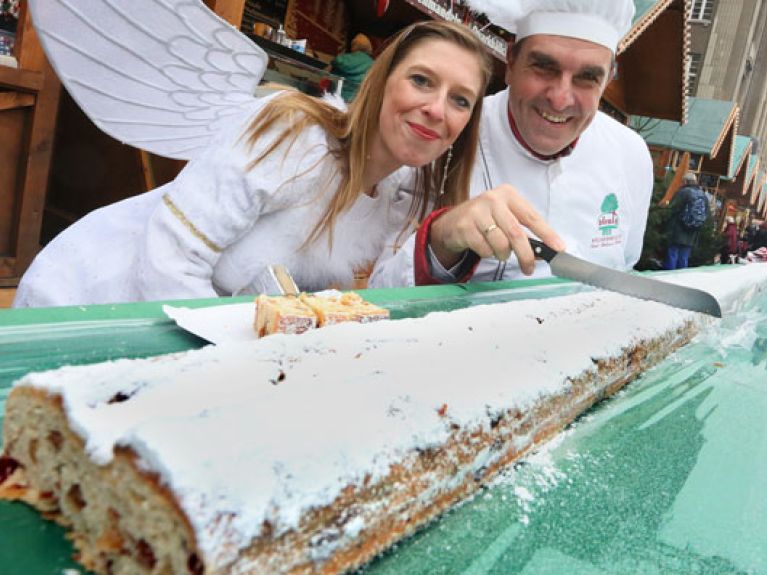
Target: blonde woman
{"type": "Point", "coordinates": [289, 179]}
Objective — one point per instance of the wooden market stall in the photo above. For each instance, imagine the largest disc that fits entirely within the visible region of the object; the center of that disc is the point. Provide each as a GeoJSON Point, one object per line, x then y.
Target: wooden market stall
{"type": "Point", "coordinates": [88, 169]}
{"type": "Point", "coordinates": [29, 95]}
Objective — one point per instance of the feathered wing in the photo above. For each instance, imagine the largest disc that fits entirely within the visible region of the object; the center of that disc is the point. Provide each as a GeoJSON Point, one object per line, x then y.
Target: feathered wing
{"type": "Point", "coordinates": [155, 74]}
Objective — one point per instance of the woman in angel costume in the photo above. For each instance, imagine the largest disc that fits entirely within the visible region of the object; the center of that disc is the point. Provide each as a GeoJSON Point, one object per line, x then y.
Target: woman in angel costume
{"type": "Point", "coordinates": [275, 178]}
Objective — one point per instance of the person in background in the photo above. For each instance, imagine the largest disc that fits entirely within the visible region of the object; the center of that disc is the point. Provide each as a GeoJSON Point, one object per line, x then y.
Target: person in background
{"type": "Point", "coordinates": [760, 237]}
{"type": "Point", "coordinates": [751, 230]}
{"type": "Point", "coordinates": [689, 212]}
{"type": "Point", "coordinates": [542, 140]}
{"type": "Point", "coordinates": [291, 180]}
{"type": "Point", "coordinates": [730, 247]}
{"type": "Point", "coordinates": [742, 244]}
{"type": "Point", "coordinates": [9, 15]}
{"type": "Point", "coordinates": [353, 65]}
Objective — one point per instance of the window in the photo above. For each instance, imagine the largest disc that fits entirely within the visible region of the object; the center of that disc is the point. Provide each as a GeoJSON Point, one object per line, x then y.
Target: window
{"type": "Point", "coordinates": [693, 73]}
{"type": "Point", "coordinates": [695, 160]}
{"type": "Point", "coordinates": [702, 10]}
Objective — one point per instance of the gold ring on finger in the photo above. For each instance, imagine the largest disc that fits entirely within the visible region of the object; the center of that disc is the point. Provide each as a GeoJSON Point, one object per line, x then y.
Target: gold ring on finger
{"type": "Point", "coordinates": [490, 228]}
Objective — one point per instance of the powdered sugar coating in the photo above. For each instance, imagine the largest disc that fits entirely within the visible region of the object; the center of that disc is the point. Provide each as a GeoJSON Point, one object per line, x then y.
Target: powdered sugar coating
{"type": "Point", "coordinates": [244, 433]}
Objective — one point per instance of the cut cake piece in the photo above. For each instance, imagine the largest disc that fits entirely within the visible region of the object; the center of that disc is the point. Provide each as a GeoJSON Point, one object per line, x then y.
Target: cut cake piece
{"type": "Point", "coordinates": [291, 314]}
{"type": "Point", "coordinates": [282, 314]}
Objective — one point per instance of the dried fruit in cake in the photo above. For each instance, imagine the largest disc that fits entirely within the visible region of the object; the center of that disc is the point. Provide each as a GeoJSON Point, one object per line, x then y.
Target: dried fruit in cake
{"type": "Point", "coordinates": [345, 307]}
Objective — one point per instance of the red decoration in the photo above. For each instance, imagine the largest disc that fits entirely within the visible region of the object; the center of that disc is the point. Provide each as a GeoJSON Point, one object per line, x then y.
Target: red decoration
{"type": "Point", "coordinates": [421, 265]}
{"type": "Point", "coordinates": [383, 6]}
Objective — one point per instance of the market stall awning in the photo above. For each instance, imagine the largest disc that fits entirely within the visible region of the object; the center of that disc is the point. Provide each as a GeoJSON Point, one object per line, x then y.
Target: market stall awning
{"type": "Point", "coordinates": [734, 184]}
{"type": "Point", "coordinates": [757, 187]}
{"type": "Point", "coordinates": [743, 145]}
{"type": "Point", "coordinates": [709, 132]}
{"type": "Point", "coordinates": [760, 197]}
{"type": "Point", "coordinates": [751, 170]}
{"type": "Point", "coordinates": [652, 63]}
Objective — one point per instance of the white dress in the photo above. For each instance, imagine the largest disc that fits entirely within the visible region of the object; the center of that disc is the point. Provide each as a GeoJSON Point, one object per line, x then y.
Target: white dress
{"type": "Point", "coordinates": [215, 228]}
{"type": "Point", "coordinates": [596, 199]}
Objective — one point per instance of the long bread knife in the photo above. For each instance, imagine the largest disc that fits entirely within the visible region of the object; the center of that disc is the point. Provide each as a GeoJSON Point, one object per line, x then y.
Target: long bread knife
{"type": "Point", "coordinates": [568, 266]}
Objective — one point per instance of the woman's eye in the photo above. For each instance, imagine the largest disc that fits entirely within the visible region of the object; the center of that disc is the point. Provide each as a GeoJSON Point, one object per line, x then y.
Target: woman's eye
{"type": "Point", "coordinates": [462, 102]}
{"type": "Point", "coordinates": [419, 80]}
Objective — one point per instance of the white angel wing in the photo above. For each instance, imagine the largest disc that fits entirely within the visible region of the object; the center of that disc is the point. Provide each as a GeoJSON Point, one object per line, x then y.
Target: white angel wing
{"type": "Point", "coordinates": [155, 74]}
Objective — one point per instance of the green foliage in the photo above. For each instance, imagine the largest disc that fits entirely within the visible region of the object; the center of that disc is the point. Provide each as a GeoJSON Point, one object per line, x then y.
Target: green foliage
{"type": "Point", "coordinates": [710, 241]}
{"type": "Point", "coordinates": [654, 248]}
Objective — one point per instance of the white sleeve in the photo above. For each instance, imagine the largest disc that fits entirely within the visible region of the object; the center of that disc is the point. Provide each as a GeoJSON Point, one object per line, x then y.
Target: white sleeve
{"type": "Point", "coordinates": [213, 202]}
{"type": "Point", "coordinates": [395, 267]}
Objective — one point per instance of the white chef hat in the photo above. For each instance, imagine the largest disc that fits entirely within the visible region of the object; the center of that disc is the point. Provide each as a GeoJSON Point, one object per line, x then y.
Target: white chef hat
{"type": "Point", "coordinates": [603, 22]}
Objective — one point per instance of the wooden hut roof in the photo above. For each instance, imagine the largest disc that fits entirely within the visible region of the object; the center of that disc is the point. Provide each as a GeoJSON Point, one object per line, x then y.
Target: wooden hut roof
{"type": "Point", "coordinates": [710, 131]}
{"type": "Point", "coordinates": [660, 34]}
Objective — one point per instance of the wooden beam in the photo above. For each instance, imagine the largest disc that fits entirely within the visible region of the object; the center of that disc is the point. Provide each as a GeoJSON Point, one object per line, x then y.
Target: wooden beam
{"type": "Point", "coordinates": [147, 171]}
{"type": "Point", "coordinates": [13, 100]}
{"type": "Point", "coordinates": [676, 183]}
{"type": "Point", "coordinates": [229, 10]}
{"type": "Point", "coordinates": [18, 79]}
{"type": "Point", "coordinates": [37, 166]}
{"type": "Point", "coordinates": [8, 271]}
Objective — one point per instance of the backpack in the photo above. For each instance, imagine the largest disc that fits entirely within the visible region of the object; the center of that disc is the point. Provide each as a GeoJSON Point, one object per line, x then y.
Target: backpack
{"type": "Point", "coordinates": [695, 210]}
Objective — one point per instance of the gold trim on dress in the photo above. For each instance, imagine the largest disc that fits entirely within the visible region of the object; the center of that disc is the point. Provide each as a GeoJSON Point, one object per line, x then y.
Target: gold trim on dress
{"type": "Point", "coordinates": [189, 225]}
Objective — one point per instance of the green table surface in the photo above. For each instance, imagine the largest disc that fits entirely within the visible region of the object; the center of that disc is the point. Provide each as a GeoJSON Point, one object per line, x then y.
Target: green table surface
{"type": "Point", "coordinates": [669, 476]}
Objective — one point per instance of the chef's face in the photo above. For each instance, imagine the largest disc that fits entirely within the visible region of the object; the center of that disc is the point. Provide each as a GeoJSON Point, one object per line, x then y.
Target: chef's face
{"type": "Point", "coordinates": [555, 84]}
{"type": "Point", "coordinates": [428, 100]}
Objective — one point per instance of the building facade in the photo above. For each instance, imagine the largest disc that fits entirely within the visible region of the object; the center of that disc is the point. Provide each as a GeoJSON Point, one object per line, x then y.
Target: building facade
{"type": "Point", "coordinates": [728, 51]}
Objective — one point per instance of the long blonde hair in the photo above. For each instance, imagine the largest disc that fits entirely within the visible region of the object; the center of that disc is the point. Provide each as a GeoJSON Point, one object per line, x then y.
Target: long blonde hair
{"type": "Point", "coordinates": [354, 129]}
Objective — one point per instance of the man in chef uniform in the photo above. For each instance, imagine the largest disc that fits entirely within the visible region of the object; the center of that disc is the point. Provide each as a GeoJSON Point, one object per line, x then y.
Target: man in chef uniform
{"type": "Point", "coordinates": [548, 160]}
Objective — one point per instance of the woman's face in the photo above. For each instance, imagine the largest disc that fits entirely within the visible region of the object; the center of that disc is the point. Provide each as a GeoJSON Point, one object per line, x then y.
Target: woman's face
{"type": "Point", "coordinates": [428, 100]}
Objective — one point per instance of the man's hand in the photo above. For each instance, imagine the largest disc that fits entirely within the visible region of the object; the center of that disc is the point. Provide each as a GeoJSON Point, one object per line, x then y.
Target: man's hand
{"type": "Point", "coordinates": [491, 224]}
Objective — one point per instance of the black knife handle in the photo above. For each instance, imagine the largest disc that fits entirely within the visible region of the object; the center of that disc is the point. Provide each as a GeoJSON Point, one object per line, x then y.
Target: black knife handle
{"type": "Point", "coordinates": [541, 250]}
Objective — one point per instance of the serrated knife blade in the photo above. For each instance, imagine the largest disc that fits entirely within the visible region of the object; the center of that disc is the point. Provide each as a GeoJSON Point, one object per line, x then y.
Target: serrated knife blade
{"type": "Point", "coordinates": [565, 265]}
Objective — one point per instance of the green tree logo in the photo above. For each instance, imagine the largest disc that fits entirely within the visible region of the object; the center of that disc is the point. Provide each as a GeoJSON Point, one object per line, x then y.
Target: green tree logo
{"type": "Point", "coordinates": [610, 203]}
{"type": "Point", "coordinates": [608, 220]}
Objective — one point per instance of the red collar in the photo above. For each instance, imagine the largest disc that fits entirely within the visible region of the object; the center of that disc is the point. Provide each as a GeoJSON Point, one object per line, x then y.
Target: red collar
{"type": "Point", "coordinates": [566, 151]}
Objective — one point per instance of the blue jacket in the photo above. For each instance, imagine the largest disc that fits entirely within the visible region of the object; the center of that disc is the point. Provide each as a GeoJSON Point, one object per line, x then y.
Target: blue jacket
{"type": "Point", "coordinates": [678, 234]}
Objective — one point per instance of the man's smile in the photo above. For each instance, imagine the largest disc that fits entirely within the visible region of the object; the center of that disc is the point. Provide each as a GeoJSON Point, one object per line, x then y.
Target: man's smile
{"type": "Point", "coordinates": [553, 118]}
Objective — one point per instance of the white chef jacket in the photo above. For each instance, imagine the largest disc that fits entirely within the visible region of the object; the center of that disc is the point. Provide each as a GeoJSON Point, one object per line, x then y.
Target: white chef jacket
{"type": "Point", "coordinates": [597, 198]}
{"type": "Point", "coordinates": [215, 228]}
